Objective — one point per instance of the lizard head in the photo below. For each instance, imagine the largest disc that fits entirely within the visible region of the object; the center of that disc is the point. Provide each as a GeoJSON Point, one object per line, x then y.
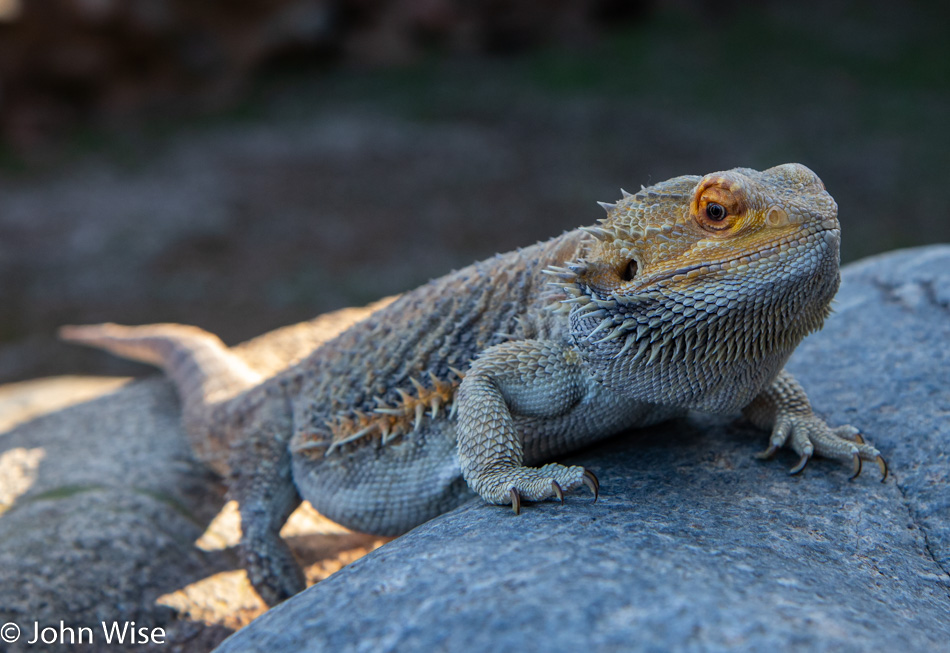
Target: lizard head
{"type": "Point", "coordinates": [696, 290]}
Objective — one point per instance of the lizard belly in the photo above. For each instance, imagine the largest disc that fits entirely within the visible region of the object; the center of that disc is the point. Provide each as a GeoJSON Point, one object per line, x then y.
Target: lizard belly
{"type": "Point", "coordinates": [387, 489]}
{"type": "Point", "coordinates": [390, 489]}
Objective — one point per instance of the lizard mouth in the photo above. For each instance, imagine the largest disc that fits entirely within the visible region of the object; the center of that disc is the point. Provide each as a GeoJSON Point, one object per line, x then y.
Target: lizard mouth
{"type": "Point", "coordinates": [644, 283]}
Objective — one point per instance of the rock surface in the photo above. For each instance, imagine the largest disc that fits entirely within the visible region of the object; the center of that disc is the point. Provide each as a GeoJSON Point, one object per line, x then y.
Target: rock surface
{"type": "Point", "coordinates": [695, 545]}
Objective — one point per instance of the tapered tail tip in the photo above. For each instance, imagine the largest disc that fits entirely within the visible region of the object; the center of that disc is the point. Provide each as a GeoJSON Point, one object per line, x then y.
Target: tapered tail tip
{"type": "Point", "coordinates": [72, 332]}
{"type": "Point", "coordinates": [84, 332]}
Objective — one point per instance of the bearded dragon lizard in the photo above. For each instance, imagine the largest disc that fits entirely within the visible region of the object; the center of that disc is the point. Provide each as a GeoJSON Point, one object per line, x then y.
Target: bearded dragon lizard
{"type": "Point", "coordinates": [689, 295]}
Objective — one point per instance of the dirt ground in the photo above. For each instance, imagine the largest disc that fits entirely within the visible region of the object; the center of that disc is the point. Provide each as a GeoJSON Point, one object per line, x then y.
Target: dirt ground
{"type": "Point", "coordinates": [328, 189]}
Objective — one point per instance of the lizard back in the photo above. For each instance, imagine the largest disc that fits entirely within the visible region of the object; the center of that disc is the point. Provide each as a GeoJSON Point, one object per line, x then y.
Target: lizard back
{"type": "Point", "coordinates": [386, 375]}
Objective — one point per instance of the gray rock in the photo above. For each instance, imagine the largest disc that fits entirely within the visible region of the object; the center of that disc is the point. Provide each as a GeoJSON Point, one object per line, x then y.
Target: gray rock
{"type": "Point", "coordinates": [694, 545]}
{"type": "Point", "coordinates": [101, 506]}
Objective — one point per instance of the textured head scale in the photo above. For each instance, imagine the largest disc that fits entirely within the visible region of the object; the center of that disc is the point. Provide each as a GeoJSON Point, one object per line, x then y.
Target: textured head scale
{"type": "Point", "coordinates": [695, 287]}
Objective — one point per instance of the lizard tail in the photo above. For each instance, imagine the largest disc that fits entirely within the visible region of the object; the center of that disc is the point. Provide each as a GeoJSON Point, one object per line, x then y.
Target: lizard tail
{"type": "Point", "coordinates": [204, 370]}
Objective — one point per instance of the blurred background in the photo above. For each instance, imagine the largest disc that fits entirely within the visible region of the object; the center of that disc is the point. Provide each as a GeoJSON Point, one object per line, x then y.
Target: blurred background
{"type": "Point", "coordinates": [247, 164]}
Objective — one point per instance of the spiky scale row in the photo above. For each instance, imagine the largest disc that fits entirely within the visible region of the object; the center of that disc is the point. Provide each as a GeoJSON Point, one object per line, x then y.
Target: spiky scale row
{"type": "Point", "coordinates": [387, 421]}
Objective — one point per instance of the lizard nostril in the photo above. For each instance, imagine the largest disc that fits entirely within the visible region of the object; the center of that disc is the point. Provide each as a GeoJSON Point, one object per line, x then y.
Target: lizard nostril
{"type": "Point", "coordinates": [630, 271]}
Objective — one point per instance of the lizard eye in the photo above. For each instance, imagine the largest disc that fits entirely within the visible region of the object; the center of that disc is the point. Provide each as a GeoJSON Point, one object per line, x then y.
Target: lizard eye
{"type": "Point", "coordinates": [630, 271]}
{"type": "Point", "coordinates": [716, 212]}
{"type": "Point", "coordinates": [718, 206]}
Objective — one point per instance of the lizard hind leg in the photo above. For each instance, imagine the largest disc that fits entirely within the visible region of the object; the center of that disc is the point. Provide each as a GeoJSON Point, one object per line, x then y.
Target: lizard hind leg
{"type": "Point", "coordinates": [261, 482]}
{"type": "Point", "coordinates": [238, 425]}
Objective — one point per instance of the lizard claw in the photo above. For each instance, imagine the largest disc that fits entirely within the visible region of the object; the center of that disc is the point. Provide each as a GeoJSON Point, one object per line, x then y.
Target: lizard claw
{"type": "Point", "coordinates": [882, 464]}
{"type": "Point", "coordinates": [592, 483]}
{"type": "Point", "coordinates": [768, 453]}
{"type": "Point", "coordinates": [801, 464]}
{"type": "Point", "coordinates": [516, 501]}
{"type": "Point", "coordinates": [856, 468]}
{"type": "Point", "coordinates": [558, 492]}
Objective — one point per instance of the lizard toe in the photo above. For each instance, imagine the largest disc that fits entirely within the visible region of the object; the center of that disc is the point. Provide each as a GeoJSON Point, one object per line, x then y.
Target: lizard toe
{"type": "Point", "coordinates": [514, 486]}
{"type": "Point", "coordinates": [807, 435]}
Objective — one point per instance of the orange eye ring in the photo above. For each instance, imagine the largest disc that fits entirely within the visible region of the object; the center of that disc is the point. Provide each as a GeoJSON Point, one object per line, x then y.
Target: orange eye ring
{"type": "Point", "coordinates": [717, 204]}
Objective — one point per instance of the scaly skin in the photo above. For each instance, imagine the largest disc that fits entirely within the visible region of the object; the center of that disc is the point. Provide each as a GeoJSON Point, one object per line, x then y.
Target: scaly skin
{"type": "Point", "coordinates": [690, 294]}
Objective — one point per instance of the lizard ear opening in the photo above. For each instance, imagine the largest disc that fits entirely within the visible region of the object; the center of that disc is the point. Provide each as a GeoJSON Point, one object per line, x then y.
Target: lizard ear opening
{"type": "Point", "coordinates": [630, 272]}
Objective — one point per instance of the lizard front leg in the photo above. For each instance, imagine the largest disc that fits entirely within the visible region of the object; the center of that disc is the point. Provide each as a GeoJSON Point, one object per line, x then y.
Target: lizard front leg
{"type": "Point", "coordinates": [525, 378]}
{"type": "Point", "coordinates": [783, 408]}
